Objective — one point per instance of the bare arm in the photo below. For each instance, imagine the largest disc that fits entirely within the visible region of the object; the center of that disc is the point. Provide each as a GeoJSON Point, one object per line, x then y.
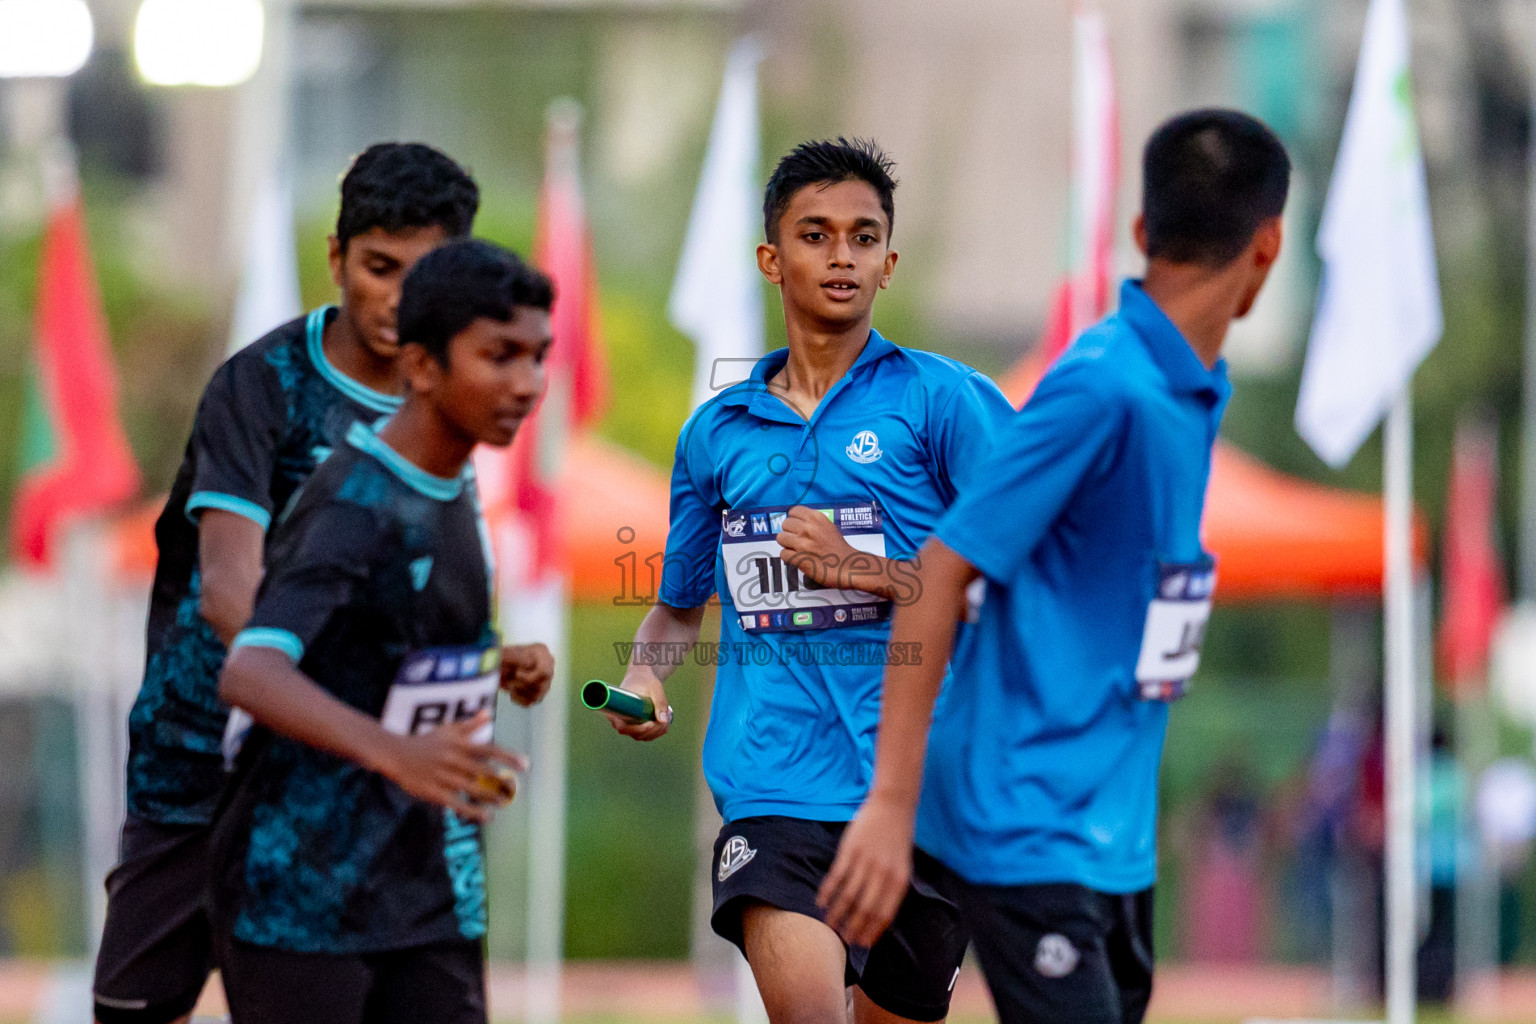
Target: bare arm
{"type": "Point", "coordinates": [229, 553]}
{"type": "Point", "coordinates": [665, 630]}
{"type": "Point", "coordinates": [440, 766]}
{"type": "Point", "coordinates": [874, 862]}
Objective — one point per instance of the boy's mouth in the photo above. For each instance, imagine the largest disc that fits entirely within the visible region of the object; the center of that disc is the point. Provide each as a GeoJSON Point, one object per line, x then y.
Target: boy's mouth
{"type": "Point", "coordinates": [841, 288]}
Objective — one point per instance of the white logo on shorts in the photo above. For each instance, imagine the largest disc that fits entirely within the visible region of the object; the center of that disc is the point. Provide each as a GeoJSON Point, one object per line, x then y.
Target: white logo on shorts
{"type": "Point", "coordinates": [1055, 957]}
{"type": "Point", "coordinates": [734, 857]}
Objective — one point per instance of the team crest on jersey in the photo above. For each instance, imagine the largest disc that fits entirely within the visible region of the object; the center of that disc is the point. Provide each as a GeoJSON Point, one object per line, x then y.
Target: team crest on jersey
{"type": "Point", "coordinates": [1055, 956]}
{"type": "Point", "coordinates": [865, 448]}
{"type": "Point", "coordinates": [734, 857]}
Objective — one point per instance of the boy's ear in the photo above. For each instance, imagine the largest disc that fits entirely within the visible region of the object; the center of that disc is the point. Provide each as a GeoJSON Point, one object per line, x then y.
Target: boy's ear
{"type": "Point", "coordinates": [1139, 233]}
{"type": "Point", "coordinates": [336, 257]}
{"type": "Point", "coordinates": [1267, 242]}
{"type": "Point", "coordinates": [419, 369]}
{"type": "Point", "coordinates": [768, 263]}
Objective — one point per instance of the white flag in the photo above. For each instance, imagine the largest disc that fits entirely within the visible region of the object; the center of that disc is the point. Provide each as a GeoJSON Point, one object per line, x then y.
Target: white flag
{"type": "Point", "coordinates": [1378, 312]}
{"type": "Point", "coordinates": [717, 298]}
{"type": "Point", "coordinates": [269, 273]}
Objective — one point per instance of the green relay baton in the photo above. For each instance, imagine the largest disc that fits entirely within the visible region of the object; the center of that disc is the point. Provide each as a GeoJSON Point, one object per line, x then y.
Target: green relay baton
{"type": "Point", "coordinates": [599, 696]}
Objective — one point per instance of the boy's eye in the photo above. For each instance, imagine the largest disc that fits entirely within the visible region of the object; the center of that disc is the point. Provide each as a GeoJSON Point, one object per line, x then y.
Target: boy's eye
{"type": "Point", "coordinates": [813, 236]}
{"type": "Point", "coordinates": [866, 239]}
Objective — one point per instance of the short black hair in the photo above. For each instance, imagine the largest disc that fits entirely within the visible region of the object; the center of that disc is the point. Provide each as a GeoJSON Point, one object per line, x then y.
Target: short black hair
{"type": "Point", "coordinates": [827, 163]}
{"type": "Point", "coordinates": [458, 283]}
{"type": "Point", "coordinates": [1210, 179]}
{"type": "Point", "coordinates": [399, 185]}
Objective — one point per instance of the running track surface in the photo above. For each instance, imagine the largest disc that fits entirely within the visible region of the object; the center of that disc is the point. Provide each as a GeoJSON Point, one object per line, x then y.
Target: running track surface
{"type": "Point", "coordinates": [670, 991]}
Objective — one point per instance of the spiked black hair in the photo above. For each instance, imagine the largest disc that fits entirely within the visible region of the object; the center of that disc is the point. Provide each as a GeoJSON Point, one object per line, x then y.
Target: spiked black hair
{"type": "Point", "coordinates": [827, 163]}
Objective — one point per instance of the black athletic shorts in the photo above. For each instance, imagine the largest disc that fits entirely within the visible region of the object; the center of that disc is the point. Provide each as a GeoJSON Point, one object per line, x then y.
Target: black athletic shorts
{"type": "Point", "coordinates": [442, 983]}
{"type": "Point", "coordinates": [1062, 952]}
{"type": "Point", "coordinates": [910, 971]}
{"type": "Point", "coordinates": [156, 950]}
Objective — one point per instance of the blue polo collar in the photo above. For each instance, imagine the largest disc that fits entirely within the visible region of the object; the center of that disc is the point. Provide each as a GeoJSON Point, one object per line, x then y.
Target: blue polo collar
{"type": "Point", "coordinates": [753, 393]}
{"type": "Point", "coordinates": [1168, 348]}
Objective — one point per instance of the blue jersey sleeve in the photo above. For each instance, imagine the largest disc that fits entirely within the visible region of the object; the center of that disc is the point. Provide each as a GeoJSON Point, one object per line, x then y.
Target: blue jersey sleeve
{"type": "Point", "coordinates": [973, 416]}
{"type": "Point", "coordinates": [693, 530]}
{"type": "Point", "coordinates": [1041, 456]}
{"type": "Point", "coordinates": [319, 561]}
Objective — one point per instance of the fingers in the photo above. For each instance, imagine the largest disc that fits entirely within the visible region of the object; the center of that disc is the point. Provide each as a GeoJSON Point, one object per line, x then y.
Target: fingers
{"type": "Point", "coordinates": [642, 731]}
{"type": "Point", "coordinates": [490, 752]}
{"type": "Point", "coordinates": [865, 902]}
{"type": "Point", "coordinates": [862, 892]}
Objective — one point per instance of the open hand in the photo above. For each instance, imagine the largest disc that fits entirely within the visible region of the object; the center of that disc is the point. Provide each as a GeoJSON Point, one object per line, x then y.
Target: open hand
{"type": "Point", "coordinates": [870, 874]}
{"type": "Point", "coordinates": [526, 672]}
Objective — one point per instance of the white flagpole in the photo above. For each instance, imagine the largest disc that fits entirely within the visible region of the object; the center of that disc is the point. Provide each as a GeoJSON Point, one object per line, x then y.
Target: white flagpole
{"type": "Point", "coordinates": [543, 615]}
{"type": "Point", "coordinates": [1401, 882]}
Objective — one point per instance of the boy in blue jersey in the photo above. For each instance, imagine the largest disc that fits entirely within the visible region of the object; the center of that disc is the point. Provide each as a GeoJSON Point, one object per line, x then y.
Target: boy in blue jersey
{"type": "Point", "coordinates": [799, 496]}
{"type": "Point", "coordinates": [1039, 797]}
{"type": "Point", "coordinates": [266, 419]}
{"type": "Point", "coordinates": [347, 871]}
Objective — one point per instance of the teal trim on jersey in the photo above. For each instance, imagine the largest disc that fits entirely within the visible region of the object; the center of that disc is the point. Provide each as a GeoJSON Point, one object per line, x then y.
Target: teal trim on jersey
{"type": "Point", "coordinates": [229, 503]}
{"type": "Point", "coordinates": [436, 487]}
{"type": "Point", "coordinates": [276, 639]}
{"type": "Point", "coordinates": [314, 333]}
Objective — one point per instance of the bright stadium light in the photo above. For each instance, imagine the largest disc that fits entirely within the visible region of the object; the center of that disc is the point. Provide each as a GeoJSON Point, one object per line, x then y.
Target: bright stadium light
{"type": "Point", "coordinates": [198, 42]}
{"type": "Point", "coordinates": [44, 38]}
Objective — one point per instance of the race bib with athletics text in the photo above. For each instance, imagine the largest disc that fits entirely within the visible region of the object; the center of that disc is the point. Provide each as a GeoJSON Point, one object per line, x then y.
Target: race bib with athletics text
{"type": "Point", "coordinates": [770, 594]}
{"type": "Point", "coordinates": [1175, 630]}
{"type": "Point", "coordinates": [440, 685]}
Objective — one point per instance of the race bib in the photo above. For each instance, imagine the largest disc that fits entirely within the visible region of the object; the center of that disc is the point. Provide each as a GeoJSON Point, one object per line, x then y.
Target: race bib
{"type": "Point", "coordinates": [1175, 629]}
{"type": "Point", "coordinates": [441, 685]}
{"type": "Point", "coordinates": [770, 594]}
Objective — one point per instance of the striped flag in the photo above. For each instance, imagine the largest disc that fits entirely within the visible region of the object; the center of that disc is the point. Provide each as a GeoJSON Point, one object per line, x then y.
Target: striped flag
{"type": "Point", "coordinates": [1082, 297]}
{"type": "Point", "coordinates": [75, 458]}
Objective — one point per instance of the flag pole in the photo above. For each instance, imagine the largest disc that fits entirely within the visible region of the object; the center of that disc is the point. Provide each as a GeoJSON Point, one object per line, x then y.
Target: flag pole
{"type": "Point", "coordinates": [1526, 576]}
{"type": "Point", "coordinates": [1401, 887]}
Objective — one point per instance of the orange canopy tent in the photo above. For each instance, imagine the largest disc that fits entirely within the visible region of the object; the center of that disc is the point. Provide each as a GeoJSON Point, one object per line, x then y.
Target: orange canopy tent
{"type": "Point", "coordinates": [1274, 536]}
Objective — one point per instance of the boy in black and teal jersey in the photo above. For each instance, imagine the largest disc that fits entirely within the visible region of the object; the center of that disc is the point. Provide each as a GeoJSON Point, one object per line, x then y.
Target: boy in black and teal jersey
{"type": "Point", "coordinates": [346, 860]}
{"type": "Point", "coordinates": [270, 414]}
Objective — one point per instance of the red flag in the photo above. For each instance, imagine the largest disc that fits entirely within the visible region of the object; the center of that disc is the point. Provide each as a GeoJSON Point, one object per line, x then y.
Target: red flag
{"type": "Point", "coordinates": [522, 494]}
{"type": "Point", "coordinates": [1472, 575]}
{"type": "Point", "coordinates": [75, 456]}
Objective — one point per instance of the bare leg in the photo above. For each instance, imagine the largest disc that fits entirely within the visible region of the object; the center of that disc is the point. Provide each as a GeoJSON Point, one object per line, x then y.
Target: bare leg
{"type": "Point", "coordinates": [798, 963]}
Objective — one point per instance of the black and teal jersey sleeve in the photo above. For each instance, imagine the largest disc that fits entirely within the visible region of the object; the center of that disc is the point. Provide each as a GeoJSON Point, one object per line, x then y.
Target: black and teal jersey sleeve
{"type": "Point", "coordinates": [241, 423]}
{"type": "Point", "coordinates": [319, 565]}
